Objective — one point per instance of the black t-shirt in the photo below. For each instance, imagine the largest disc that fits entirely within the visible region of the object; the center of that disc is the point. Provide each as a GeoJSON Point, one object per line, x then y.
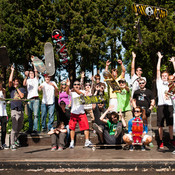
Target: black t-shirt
{"type": "Point", "coordinates": [14, 94]}
{"type": "Point", "coordinates": [143, 98]}
{"type": "Point", "coordinates": [97, 114]}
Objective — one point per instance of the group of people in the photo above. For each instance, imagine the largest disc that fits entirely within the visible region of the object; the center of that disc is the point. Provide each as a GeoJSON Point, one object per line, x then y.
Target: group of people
{"type": "Point", "coordinates": [113, 125]}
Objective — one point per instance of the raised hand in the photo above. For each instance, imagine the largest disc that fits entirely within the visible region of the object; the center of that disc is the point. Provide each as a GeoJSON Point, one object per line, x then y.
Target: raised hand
{"type": "Point", "coordinates": [133, 55]}
{"type": "Point", "coordinates": [26, 73]}
{"type": "Point", "coordinates": [68, 82]}
{"type": "Point", "coordinates": [172, 59]}
{"type": "Point", "coordinates": [119, 61]}
{"type": "Point", "coordinates": [12, 68]}
{"type": "Point", "coordinates": [108, 63]}
{"type": "Point", "coordinates": [159, 55]}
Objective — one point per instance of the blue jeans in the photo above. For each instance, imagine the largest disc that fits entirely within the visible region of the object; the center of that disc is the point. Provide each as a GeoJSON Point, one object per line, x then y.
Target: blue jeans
{"type": "Point", "coordinates": [44, 109]}
{"type": "Point", "coordinates": [33, 107]}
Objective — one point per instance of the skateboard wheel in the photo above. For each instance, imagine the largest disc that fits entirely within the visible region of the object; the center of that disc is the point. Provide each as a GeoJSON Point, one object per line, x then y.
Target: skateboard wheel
{"type": "Point", "coordinates": [134, 27]}
{"type": "Point", "coordinates": [157, 9]}
{"type": "Point", "coordinates": [137, 5]}
{"type": "Point", "coordinates": [157, 18]}
{"type": "Point", "coordinates": [136, 14]}
{"type": "Point", "coordinates": [93, 148]}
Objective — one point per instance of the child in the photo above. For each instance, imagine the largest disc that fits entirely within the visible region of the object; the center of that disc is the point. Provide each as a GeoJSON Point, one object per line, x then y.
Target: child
{"type": "Point", "coordinates": [111, 135]}
{"type": "Point", "coordinates": [58, 137]}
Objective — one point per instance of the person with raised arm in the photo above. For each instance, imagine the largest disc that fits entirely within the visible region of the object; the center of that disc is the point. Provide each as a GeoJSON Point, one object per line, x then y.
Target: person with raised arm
{"type": "Point", "coordinates": [31, 81]}
{"type": "Point", "coordinates": [17, 114]}
{"type": "Point", "coordinates": [135, 75]}
{"type": "Point", "coordinates": [165, 107]}
{"type": "Point", "coordinates": [114, 72]}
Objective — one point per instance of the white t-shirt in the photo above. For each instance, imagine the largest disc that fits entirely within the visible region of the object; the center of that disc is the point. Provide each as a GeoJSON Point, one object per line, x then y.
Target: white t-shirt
{"type": "Point", "coordinates": [48, 93]}
{"type": "Point", "coordinates": [161, 88]}
{"type": "Point", "coordinates": [3, 111]}
{"type": "Point", "coordinates": [135, 83]}
{"type": "Point", "coordinates": [76, 108]}
{"type": "Point", "coordinates": [32, 88]}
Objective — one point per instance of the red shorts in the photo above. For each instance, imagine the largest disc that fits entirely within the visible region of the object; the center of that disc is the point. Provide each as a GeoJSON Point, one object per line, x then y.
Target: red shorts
{"type": "Point", "coordinates": [81, 119]}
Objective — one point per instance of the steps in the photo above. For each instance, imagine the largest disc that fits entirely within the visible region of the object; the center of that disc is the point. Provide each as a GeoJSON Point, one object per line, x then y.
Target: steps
{"type": "Point", "coordinates": [43, 139]}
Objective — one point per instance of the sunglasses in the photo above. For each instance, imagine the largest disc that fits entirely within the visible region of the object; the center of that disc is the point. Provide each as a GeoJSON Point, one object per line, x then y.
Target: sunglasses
{"type": "Point", "coordinates": [137, 111]}
{"type": "Point", "coordinates": [142, 83]}
{"type": "Point", "coordinates": [139, 69]}
{"type": "Point", "coordinates": [97, 78]}
{"type": "Point", "coordinates": [121, 82]}
{"type": "Point", "coordinates": [63, 84]}
{"type": "Point", "coordinates": [76, 84]}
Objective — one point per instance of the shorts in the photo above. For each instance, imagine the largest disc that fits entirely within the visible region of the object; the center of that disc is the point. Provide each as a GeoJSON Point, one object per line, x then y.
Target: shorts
{"type": "Point", "coordinates": [81, 119]}
{"type": "Point", "coordinates": [165, 112]}
{"type": "Point", "coordinates": [143, 139]}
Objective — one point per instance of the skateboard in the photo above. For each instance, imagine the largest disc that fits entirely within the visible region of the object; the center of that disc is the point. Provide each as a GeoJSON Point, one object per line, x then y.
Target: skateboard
{"type": "Point", "coordinates": [94, 147]}
{"type": "Point", "coordinates": [137, 131]}
{"type": "Point", "coordinates": [109, 79]}
{"type": "Point", "coordinates": [40, 66]}
{"type": "Point", "coordinates": [82, 100]}
{"type": "Point", "coordinates": [148, 10]}
{"type": "Point", "coordinates": [4, 59]}
{"type": "Point", "coordinates": [59, 42]}
{"type": "Point", "coordinates": [49, 58]}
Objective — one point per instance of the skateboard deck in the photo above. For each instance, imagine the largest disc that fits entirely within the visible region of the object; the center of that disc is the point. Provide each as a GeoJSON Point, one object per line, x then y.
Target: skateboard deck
{"type": "Point", "coordinates": [137, 131]}
{"type": "Point", "coordinates": [40, 66]}
{"type": "Point", "coordinates": [106, 146]}
{"type": "Point", "coordinates": [171, 90]}
{"type": "Point", "coordinates": [148, 10]}
{"type": "Point", "coordinates": [82, 100]}
{"type": "Point", "coordinates": [109, 79]}
{"type": "Point", "coordinates": [49, 58]}
{"type": "Point", "coordinates": [4, 59]}
{"type": "Point", "coordinates": [59, 42]}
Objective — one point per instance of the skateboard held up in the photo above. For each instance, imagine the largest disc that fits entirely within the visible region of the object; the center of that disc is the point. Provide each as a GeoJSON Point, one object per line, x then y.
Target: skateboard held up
{"type": "Point", "coordinates": [148, 10]}
{"type": "Point", "coordinates": [40, 66]}
{"type": "Point", "coordinates": [109, 79]}
{"type": "Point", "coordinates": [59, 42]}
{"type": "Point", "coordinates": [49, 59]}
{"type": "Point", "coordinates": [4, 59]}
{"type": "Point", "coordinates": [137, 131]}
{"type": "Point", "coordinates": [82, 100]}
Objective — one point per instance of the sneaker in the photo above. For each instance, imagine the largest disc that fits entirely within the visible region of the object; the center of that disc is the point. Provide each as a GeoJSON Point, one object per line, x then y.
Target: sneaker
{"type": "Point", "coordinates": [173, 152]}
{"type": "Point", "coordinates": [4, 146]}
{"type": "Point", "coordinates": [88, 144]}
{"type": "Point", "coordinates": [143, 148]}
{"type": "Point", "coordinates": [13, 147]}
{"type": "Point", "coordinates": [172, 142]}
{"type": "Point", "coordinates": [71, 146]}
{"type": "Point", "coordinates": [161, 146]}
{"type": "Point", "coordinates": [131, 148]}
{"type": "Point", "coordinates": [97, 128]}
{"type": "Point", "coordinates": [17, 143]}
{"type": "Point", "coordinates": [54, 148]}
{"type": "Point", "coordinates": [60, 149]}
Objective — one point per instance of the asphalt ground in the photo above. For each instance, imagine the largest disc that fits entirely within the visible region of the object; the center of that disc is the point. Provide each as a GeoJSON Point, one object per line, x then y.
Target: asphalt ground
{"type": "Point", "coordinates": [40, 160]}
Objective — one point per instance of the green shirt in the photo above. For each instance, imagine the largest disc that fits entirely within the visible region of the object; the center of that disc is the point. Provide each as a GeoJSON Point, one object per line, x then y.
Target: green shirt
{"type": "Point", "coordinates": [112, 127]}
{"type": "Point", "coordinates": [123, 99]}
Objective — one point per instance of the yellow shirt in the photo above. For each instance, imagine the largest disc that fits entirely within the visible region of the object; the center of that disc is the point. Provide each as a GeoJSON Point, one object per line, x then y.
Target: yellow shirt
{"type": "Point", "coordinates": [113, 95]}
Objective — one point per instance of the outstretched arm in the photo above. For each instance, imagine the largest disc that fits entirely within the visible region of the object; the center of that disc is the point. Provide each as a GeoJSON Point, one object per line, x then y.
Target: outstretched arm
{"type": "Point", "coordinates": [25, 79]}
{"type": "Point", "coordinates": [102, 118]}
{"type": "Point", "coordinates": [158, 64]}
{"type": "Point", "coordinates": [173, 61]}
{"type": "Point", "coordinates": [68, 86]}
{"type": "Point", "coordinates": [107, 65]}
{"type": "Point", "coordinates": [11, 76]}
{"type": "Point", "coordinates": [123, 68]}
{"type": "Point", "coordinates": [133, 64]}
